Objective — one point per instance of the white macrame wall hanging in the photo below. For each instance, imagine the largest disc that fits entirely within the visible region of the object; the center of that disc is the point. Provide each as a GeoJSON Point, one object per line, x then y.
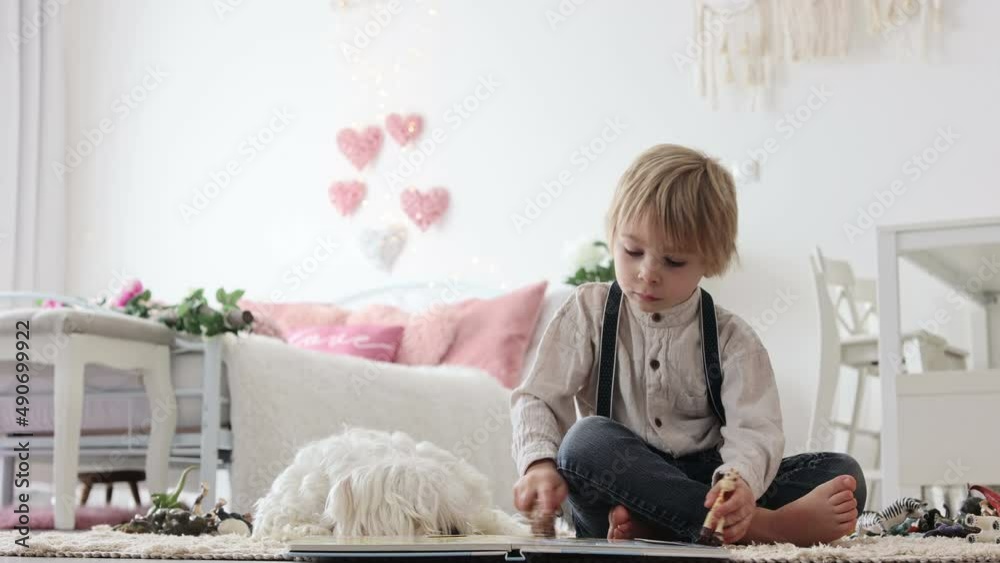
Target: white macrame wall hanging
{"type": "Point", "coordinates": [735, 49]}
{"type": "Point", "coordinates": [744, 44]}
{"type": "Point", "coordinates": [910, 26]}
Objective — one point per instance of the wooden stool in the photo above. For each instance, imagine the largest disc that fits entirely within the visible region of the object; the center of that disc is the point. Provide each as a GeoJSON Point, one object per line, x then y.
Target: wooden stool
{"type": "Point", "coordinates": [132, 477]}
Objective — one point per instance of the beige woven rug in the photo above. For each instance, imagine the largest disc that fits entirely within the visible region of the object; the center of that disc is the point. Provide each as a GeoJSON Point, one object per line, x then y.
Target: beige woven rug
{"type": "Point", "coordinates": [866, 550]}
{"type": "Point", "coordinates": [104, 542]}
{"type": "Point", "coordinates": [108, 544]}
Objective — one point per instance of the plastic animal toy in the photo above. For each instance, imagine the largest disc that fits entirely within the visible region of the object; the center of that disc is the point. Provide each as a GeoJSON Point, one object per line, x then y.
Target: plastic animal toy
{"type": "Point", "coordinates": [870, 524]}
{"type": "Point", "coordinates": [986, 529]}
{"type": "Point", "coordinates": [713, 535]}
{"type": "Point", "coordinates": [169, 516]}
{"type": "Point", "coordinates": [901, 510]}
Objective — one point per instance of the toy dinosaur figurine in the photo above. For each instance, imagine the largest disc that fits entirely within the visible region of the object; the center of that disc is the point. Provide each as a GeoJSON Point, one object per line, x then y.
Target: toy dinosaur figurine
{"type": "Point", "coordinates": [170, 516]}
{"type": "Point", "coordinates": [932, 519]}
{"type": "Point", "coordinates": [713, 535]}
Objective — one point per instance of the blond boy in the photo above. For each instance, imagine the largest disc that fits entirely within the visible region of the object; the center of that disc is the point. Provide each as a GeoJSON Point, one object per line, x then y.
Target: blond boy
{"type": "Point", "coordinates": [648, 469]}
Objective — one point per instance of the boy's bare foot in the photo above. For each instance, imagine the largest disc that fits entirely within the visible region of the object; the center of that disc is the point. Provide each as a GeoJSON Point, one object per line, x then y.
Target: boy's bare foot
{"type": "Point", "coordinates": [828, 513]}
{"type": "Point", "coordinates": [622, 526]}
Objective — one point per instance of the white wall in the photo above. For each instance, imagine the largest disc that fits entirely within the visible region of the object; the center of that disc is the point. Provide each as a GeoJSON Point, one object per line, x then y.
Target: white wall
{"type": "Point", "coordinates": [221, 77]}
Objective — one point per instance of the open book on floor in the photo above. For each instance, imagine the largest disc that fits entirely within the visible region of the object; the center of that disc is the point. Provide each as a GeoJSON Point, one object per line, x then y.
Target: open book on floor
{"type": "Point", "coordinates": [509, 548]}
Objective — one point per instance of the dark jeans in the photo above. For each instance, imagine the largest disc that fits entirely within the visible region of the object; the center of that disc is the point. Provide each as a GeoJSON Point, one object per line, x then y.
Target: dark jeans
{"type": "Point", "coordinates": [606, 464]}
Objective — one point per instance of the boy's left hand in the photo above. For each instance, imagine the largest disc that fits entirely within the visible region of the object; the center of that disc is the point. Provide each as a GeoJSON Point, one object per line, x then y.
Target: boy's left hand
{"type": "Point", "coordinates": [738, 510]}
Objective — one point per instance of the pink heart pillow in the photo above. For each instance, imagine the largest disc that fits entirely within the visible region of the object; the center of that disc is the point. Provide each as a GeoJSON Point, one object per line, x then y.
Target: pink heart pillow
{"type": "Point", "coordinates": [494, 334]}
{"type": "Point", "coordinates": [375, 342]}
{"type": "Point", "coordinates": [428, 334]}
{"type": "Point", "coordinates": [277, 319]}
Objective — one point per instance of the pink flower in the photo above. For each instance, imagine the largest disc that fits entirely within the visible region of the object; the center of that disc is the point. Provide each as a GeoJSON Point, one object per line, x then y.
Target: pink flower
{"type": "Point", "coordinates": [51, 304]}
{"type": "Point", "coordinates": [131, 290]}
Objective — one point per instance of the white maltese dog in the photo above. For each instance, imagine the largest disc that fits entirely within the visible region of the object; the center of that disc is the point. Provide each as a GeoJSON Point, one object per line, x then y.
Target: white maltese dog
{"type": "Point", "coordinates": [371, 483]}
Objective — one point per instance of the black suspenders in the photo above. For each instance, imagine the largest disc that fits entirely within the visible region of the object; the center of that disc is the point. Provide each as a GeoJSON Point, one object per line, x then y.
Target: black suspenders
{"type": "Point", "coordinates": [608, 355]}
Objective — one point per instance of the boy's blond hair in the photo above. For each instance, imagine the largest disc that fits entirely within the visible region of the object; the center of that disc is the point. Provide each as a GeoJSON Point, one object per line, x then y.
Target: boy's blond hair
{"type": "Point", "coordinates": [690, 198]}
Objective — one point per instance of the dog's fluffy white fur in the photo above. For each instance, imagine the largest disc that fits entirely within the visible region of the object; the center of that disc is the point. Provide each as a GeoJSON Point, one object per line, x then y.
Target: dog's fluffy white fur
{"type": "Point", "coordinates": [365, 482]}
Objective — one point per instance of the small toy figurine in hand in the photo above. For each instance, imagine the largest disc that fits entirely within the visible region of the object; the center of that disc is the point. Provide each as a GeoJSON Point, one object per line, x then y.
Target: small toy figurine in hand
{"type": "Point", "coordinates": [713, 535]}
{"type": "Point", "coordinates": [542, 525]}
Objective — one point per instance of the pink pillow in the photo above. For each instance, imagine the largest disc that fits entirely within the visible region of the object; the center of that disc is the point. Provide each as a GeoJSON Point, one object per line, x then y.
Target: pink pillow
{"type": "Point", "coordinates": [428, 334]}
{"type": "Point", "coordinates": [377, 314]}
{"type": "Point", "coordinates": [278, 319]}
{"type": "Point", "coordinates": [494, 334]}
{"type": "Point", "coordinates": [375, 342]}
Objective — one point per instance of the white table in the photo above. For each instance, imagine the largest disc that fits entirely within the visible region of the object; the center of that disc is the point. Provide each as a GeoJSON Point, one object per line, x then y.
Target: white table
{"type": "Point", "coordinates": [154, 362]}
{"type": "Point", "coordinates": [938, 427]}
{"type": "Point", "coordinates": [71, 348]}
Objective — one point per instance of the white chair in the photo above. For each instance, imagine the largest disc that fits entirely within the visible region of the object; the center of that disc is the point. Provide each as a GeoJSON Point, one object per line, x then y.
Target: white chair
{"type": "Point", "coordinates": [848, 317]}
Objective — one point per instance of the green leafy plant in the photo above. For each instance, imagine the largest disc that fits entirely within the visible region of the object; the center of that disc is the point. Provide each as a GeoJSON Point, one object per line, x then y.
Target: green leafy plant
{"type": "Point", "coordinates": [139, 305]}
{"type": "Point", "coordinates": [171, 499]}
{"type": "Point", "coordinates": [593, 263]}
{"type": "Point", "coordinates": [194, 314]}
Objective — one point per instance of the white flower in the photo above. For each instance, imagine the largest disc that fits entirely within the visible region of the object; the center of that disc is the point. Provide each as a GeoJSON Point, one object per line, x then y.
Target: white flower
{"type": "Point", "coordinates": [587, 255]}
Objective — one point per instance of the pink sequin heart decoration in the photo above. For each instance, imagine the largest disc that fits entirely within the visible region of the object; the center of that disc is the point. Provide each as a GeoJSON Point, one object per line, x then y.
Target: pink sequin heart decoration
{"type": "Point", "coordinates": [346, 196]}
{"type": "Point", "coordinates": [404, 129]}
{"type": "Point", "coordinates": [360, 147]}
{"type": "Point", "coordinates": [425, 208]}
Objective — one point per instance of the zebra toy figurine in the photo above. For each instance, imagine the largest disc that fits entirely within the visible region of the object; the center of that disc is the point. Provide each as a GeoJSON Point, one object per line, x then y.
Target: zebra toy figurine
{"type": "Point", "coordinates": [882, 523]}
{"type": "Point", "coordinates": [870, 524]}
{"type": "Point", "coordinates": [902, 510]}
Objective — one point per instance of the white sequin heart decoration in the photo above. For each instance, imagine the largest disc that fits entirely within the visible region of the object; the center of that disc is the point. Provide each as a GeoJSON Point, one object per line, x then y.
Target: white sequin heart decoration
{"type": "Point", "coordinates": [382, 246]}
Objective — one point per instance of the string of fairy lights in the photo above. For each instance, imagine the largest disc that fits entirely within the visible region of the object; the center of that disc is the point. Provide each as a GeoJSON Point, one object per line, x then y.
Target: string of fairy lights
{"type": "Point", "coordinates": [386, 80]}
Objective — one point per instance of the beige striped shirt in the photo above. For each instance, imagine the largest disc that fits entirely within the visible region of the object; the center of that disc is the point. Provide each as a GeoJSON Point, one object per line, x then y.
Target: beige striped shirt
{"type": "Point", "coordinates": [660, 391]}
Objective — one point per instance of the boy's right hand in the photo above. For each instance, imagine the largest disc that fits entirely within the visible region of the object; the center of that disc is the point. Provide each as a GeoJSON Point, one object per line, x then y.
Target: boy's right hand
{"type": "Point", "coordinates": [543, 484]}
